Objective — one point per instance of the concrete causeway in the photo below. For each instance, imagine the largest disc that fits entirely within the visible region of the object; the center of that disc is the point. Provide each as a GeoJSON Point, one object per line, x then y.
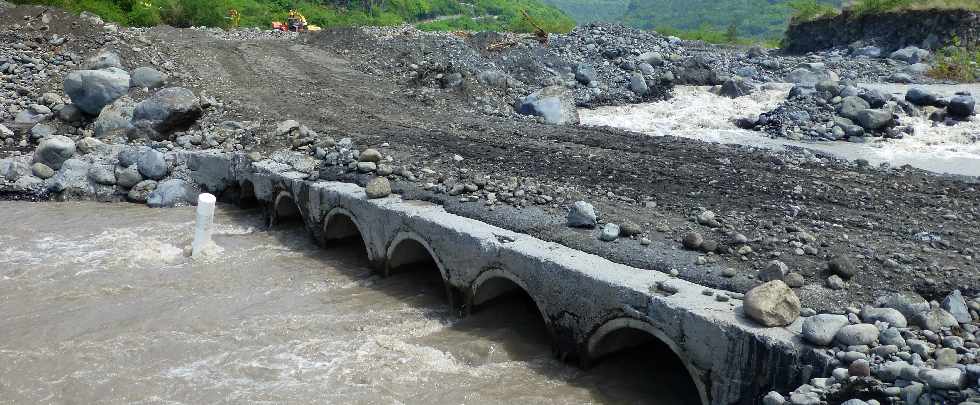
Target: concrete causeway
{"type": "Point", "coordinates": [591, 306]}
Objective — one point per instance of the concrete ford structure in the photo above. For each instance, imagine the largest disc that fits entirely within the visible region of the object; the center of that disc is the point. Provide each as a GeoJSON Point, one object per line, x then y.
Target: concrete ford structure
{"type": "Point", "coordinates": [591, 307]}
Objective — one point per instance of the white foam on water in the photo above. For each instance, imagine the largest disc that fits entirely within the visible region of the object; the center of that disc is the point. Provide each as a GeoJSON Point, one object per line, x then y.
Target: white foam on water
{"type": "Point", "coordinates": [696, 113]}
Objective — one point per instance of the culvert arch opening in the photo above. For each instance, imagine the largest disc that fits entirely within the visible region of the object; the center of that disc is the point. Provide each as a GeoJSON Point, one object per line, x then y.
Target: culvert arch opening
{"type": "Point", "coordinates": [410, 256]}
{"type": "Point", "coordinates": [341, 230]}
{"type": "Point", "coordinates": [642, 361]}
{"type": "Point", "coordinates": [285, 211]}
{"type": "Point", "coordinates": [502, 307]}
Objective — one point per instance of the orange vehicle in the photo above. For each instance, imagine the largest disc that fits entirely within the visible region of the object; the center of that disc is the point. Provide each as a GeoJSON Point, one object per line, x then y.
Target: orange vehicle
{"type": "Point", "coordinates": [296, 22]}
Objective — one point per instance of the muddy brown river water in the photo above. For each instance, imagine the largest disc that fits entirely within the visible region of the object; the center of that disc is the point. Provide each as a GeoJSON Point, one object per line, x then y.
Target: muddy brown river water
{"type": "Point", "coordinates": [98, 304]}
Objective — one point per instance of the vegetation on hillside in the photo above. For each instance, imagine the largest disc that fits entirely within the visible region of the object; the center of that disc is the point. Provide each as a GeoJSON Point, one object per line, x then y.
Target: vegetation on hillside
{"type": "Point", "coordinates": [587, 11]}
{"type": "Point", "coordinates": [755, 19]}
{"type": "Point", "coordinates": [808, 10]}
{"type": "Point", "coordinates": [479, 14]}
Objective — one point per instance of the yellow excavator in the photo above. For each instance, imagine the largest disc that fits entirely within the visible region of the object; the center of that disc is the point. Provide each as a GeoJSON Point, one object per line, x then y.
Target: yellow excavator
{"type": "Point", "coordinates": [295, 22]}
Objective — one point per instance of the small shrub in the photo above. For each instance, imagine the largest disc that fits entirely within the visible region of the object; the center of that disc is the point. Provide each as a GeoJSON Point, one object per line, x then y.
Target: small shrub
{"type": "Point", "coordinates": [956, 63]}
{"type": "Point", "coordinates": [808, 10]}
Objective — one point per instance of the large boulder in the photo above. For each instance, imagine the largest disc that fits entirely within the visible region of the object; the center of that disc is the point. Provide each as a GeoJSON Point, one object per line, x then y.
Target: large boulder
{"type": "Point", "coordinates": [910, 55]}
{"type": "Point", "coordinates": [858, 334]}
{"type": "Point", "coordinates": [922, 97]}
{"type": "Point", "coordinates": [91, 90]}
{"type": "Point", "coordinates": [955, 304]}
{"type": "Point", "coordinates": [33, 114]}
{"type": "Point", "coordinates": [168, 110]}
{"type": "Point", "coordinates": [172, 193]}
{"type": "Point", "coordinates": [890, 315]}
{"type": "Point", "coordinates": [697, 71]}
{"type": "Point", "coordinates": [54, 151]}
{"type": "Point", "coordinates": [103, 60]}
{"type": "Point", "coordinates": [850, 106]}
{"type": "Point", "coordinates": [772, 304]}
{"type": "Point", "coordinates": [72, 179]}
{"type": "Point", "coordinates": [961, 106]}
{"type": "Point", "coordinates": [115, 117]}
{"type": "Point", "coordinates": [908, 303]}
{"type": "Point", "coordinates": [554, 104]}
{"type": "Point", "coordinates": [12, 170]}
{"type": "Point", "coordinates": [872, 120]}
{"type": "Point", "coordinates": [146, 77]}
{"type": "Point", "coordinates": [821, 329]}
{"type": "Point", "coordinates": [810, 74]}
{"type": "Point", "coordinates": [736, 87]}
{"type": "Point", "coordinates": [152, 165]}
{"type": "Point", "coordinates": [638, 84]}
{"type": "Point", "coordinates": [581, 215]}
{"type": "Point", "coordinates": [585, 73]}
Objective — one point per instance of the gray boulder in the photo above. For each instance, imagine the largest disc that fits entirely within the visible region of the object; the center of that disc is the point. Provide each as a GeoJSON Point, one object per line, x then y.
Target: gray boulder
{"type": "Point", "coordinates": [775, 270]}
{"type": "Point", "coordinates": [581, 215]}
{"type": "Point", "coordinates": [821, 329]}
{"type": "Point", "coordinates": [857, 334]}
{"type": "Point", "coordinates": [172, 193]}
{"type": "Point", "coordinates": [875, 98]}
{"type": "Point", "coordinates": [772, 304]}
{"type": "Point", "coordinates": [653, 58]}
{"type": "Point", "coordinates": [91, 90]}
{"type": "Point", "coordinates": [811, 74]}
{"type": "Point", "coordinates": [906, 302]}
{"type": "Point", "coordinates": [890, 315]}
{"type": "Point", "coordinates": [141, 191]}
{"type": "Point", "coordinates": [955, 304]}
{"type": "Point", "coordinates": [115, 117]}
{"type": "Point", "coordinates": [101, 175]}
{"type": "Point", "coordinates": [54, 151]}
{"type": "Point", "coordinates": [934, 319]}
{"type": "Point", "coordinates": [33, 114]}
{"type": "Point", "coordinates": [585, 73]}
{"type": "Point", "coordinates": [153, 165]}
{"type": "Point", "coordinates": [736, 87]}
{"type": "Point", "coordinates": [554, 104]}
{"type": "Point", "coordinates": [72, 179]}
{"type": "Point", "coordinates": [610, 232]}
{"type": "Point", "coordinates": [961, 106]}
{"type": "Point", "coordinates": [71, 114]}
{"type": "Point", "coordinates": [851, 106]}
{"type": "Point", "coordinates": [146, 77]}
{"type": "Point", "coordinates": [127, 177]}
{"type": "Point", "coordinates": [910, 55]}
{"type": "Point", "coordinates": [168, 110]}
{"type": "Point", "coordinates": [11, 169]}
{"type": "Point", "coordinates": [944, 379]}
{"type": "Point", "coordinates": [42, 171]}
{"type": "Point", "coordinates": [496, 78]}
{"type": "Point", "coordinates": [921, 97]}
{"type": "Point", "coordinates": [871, 120]}
{"type": "Point", "coordinates": [378, 187]}
{"type": "Point", "coordinates": [868, 52]}
{"type": "Point", "coordinates": [103, 60]}
{"type": "Point", "coordinates": [638, 84]}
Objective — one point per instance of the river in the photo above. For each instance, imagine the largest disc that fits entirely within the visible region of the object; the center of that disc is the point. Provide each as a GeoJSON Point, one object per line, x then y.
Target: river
{"type": "Point", "coordinates": [98, 304]}
{"type": "Point", "coordinates": [695, 113]}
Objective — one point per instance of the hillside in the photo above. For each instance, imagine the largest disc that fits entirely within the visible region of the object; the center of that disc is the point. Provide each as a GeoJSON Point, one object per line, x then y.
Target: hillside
{"type": "Point", "coordinates": [753, 18]}
{"type": "Point", "coordinates": [501, 15]}
{"type": "Point", "coordinates": [586, 11]}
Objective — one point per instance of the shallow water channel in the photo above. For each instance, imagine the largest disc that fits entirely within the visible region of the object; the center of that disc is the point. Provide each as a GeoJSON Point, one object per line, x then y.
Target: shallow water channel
{"type": "Point", "coordinates": [98, 304]}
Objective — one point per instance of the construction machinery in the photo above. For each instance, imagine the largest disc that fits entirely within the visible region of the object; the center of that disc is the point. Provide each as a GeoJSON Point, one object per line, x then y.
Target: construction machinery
{"type": "Point", "coordinates": [234, 18]}
{"type": "Point", "coordinates": [539, 32]}
{"type": "Point", "coordinates": [295, 22]}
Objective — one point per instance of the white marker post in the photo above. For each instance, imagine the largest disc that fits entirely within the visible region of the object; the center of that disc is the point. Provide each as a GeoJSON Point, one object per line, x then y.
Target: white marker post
{"type": "Point", "coordinates": [205, 217]}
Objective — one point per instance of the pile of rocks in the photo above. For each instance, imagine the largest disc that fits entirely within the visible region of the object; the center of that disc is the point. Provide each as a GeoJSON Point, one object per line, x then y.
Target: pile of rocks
{"type": "Point", "coordinates": [833, 110]}
{"type": "Point", "coordinates": [904, 349]}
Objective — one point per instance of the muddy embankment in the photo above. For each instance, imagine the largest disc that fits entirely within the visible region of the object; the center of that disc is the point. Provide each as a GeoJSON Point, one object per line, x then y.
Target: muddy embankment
{"type": "Point", "coordinates": [923, 28]}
